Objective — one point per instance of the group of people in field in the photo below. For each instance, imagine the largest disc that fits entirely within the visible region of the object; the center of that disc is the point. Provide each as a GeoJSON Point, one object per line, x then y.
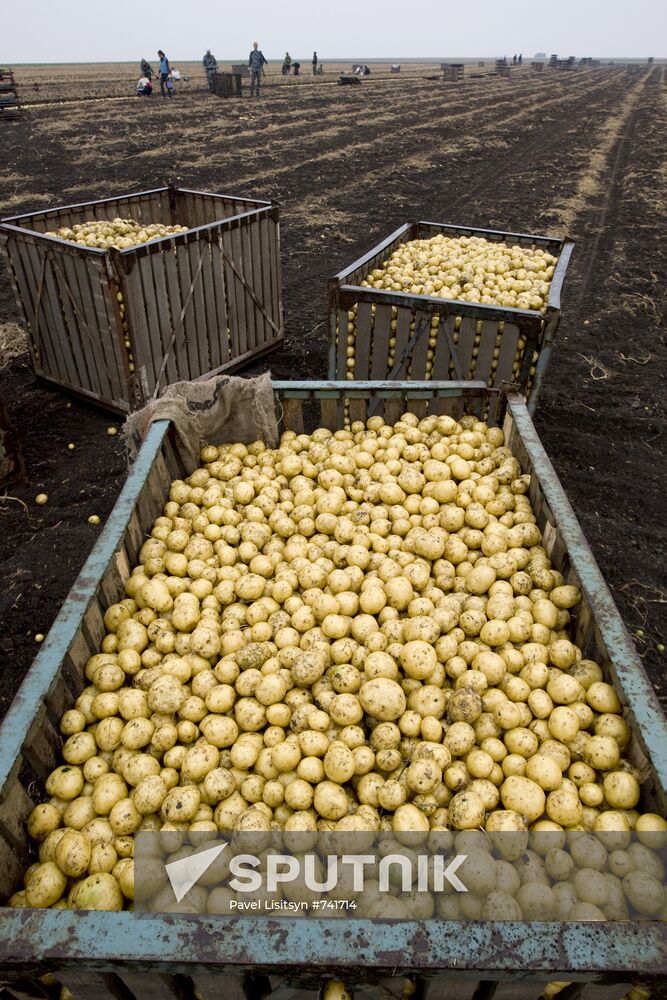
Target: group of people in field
{"type": "Point", "coordinates": [256, 62]}
{"type": "Point", "coordinates": [166, 75]}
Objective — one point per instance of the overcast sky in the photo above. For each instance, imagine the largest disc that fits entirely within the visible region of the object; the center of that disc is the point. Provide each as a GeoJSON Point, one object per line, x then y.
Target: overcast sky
{"type": "Point", "coordinates": [96, 31]}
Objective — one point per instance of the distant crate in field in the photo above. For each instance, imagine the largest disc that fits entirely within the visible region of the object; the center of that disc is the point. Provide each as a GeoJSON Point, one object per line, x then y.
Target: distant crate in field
{"type": "Point", "coordinates": [385, 335]}
{"type": "Point", "coordinates": [118, 325]}
{"type": "Point", "coordinates": [452, 71]}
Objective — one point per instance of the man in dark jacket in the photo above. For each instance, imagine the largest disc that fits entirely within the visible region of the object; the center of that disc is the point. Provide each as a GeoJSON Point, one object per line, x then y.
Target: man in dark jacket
{"type": "Point", "coordinates": [146, 69]}
{"type": "Point", "coordinates": [256, 62]}
{"type": "Point", "coordinates": [210, 65]}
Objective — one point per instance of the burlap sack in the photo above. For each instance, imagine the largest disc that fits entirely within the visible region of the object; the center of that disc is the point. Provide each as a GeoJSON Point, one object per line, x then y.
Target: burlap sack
{"type": "Point", "coordinates": [221, 409]}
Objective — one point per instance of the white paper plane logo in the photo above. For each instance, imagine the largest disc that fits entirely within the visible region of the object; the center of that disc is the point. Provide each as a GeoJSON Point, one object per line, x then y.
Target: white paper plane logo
{"type": "Point", "coordinates": [185, 872]}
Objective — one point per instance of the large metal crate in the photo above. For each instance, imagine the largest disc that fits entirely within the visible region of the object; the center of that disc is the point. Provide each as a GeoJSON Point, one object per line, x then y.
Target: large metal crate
{"type": "Point", "coordinates": [513, 345]}
{"type": "Point", "coordinates": [193, 304]}
{"type": "Point", "coordinates": [116, 956]}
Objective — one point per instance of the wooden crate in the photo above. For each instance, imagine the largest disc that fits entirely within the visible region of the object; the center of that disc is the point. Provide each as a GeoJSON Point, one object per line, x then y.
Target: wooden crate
{"type": "Point", "coordinates": [116, 956]}
{"type": "Point", "coordinates": [452, 71]}
{"type": "Point", "coordinates": [196, 303]}
{"type": "Point", "coordinates": [514, 344]}
{"type": "Point", "coordinates": [228, 84]}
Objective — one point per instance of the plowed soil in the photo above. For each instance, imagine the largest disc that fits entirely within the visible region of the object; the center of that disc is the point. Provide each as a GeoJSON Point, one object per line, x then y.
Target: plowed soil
{"type": "Point", "coordinates": [577, 152]}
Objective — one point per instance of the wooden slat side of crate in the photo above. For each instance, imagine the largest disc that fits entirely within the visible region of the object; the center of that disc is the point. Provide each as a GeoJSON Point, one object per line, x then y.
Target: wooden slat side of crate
{"type": "Point", "coordinates": [205, 301]}
{"type": "Point", "coordinates": [107, 954]}
{"type": "Point", "coordinates": [529, 333]}
{"type": "Point", "coordinates": [70, 317]}
{"type": "Point", "coordinates": [196, 303]}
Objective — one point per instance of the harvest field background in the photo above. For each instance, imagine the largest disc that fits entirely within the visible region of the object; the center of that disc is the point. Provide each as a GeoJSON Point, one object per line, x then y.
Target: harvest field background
{"type": "Point", "coordinates": [578, 153]}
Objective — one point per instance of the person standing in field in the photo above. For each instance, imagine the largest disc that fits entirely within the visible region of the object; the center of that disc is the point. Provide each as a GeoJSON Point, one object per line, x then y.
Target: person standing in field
{"type": "Point", "coordinates": [164, 73]}
{"type": "Point", "coordinates": [146, 69]}
{"type": "Point", "coordinates": [314, 63]}
{"type": "Point", "coordinates": [210, 64]}
{"type": "Point", "coordinates": [256, 62]}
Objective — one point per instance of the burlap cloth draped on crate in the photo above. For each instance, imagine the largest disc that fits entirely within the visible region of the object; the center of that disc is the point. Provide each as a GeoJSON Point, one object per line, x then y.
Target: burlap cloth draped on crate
{"type": "Point", "coordinates": [221, 409]}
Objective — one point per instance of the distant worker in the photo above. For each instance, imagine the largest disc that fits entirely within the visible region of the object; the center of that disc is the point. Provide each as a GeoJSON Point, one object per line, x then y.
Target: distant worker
{"type": "Point", "coordinates": [514, 59]}
{"type": "Point", "coordinates": [296, 67]}
{"type": "Point", "coordinates": [520, 58]}
{"type": "Point", "coordinates": [164, 74]}
{"type": "Point", "coordinates": [256, 63]}
{"type": "Point", "coordinates": [210, 64]}
{"type": "Point", "coordinates": [314, 63]}
{"type": "Point", "coordinates": [287, 63]}
{"type": "Point", "coordinates": [144, 87]}
{"type": "Point", "coordinates": [175, 73]}
{"type": "Point", "coordinates": [146, 69]}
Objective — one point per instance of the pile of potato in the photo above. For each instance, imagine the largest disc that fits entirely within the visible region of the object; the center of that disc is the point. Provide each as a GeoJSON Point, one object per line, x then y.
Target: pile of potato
{"type": "Point", "coordinates": [464, 268]}
{"type": "Point", "coordinates": [355, 631]}
{"type": "Point", "coordinates": [119, 233]}
{"type": "Point", "coordinates": [470, 269]}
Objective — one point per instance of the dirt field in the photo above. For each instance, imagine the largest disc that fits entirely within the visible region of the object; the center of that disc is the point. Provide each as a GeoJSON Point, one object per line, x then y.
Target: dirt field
{"type": "Point", "coordinates": [580, 153]}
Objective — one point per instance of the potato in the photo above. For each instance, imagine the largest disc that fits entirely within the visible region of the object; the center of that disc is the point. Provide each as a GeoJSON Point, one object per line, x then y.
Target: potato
{"type": "Point", "coordinates": [44, 884]}
{"type": "Point", "coordinates": [383, 699]}
{"type": "Point", "coordinates": [97, 892]}
{"type": "Point", "coordinates": [523, 796]}
{"type": "Point", "coordinates": [43, 820]}
{"type": "Point", "coordinates": [72, 855]}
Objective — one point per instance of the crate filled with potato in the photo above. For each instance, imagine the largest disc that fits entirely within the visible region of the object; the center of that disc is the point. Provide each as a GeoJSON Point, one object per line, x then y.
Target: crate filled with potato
{"type": "Point", "coordinates": [440, 302]}
{"type": "Point", "coordinates": [123, 296]}
{"type": "Point", "coordinates": [387, 628]}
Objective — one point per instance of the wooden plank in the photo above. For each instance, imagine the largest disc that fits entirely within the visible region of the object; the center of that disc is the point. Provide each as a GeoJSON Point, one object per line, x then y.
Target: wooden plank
{"type": "Point", "coordinates": [403, 322]}
{"type": "Point", "coordinates": [120, 371]}
{"type": "Point", "coordinates": [507, 354]}
{"type": "Point", "coordinates": [104, 329]}
{"type": "Point", "coordinates": [260, 238]}
{"type": "Point", "coordinates": [606, 991]}
{"type": "Point", "coordinates": [208, 292]}
{"type": "Point", "coordinates": [221, 304]}
{"type": "Point", "coordinates": [198, 251]}
{"type": "Point", "coordinates": [13, 252]}
{"type": "Point", "coordinates": [341, 344]}
{"type": "Point", "coordinates": [358, 409]}
{"type": "Point", "coordinates": [244, 303]}
{"type": "Point", "coordinates": [487, 333]}
{"type": "Point", "coordinates": [293, 415]}
{"type": "Point", "coordinates": [190, 354]}
{"type": "Point", "coordinates": [417, 361]}
{"type": "Point", "coordinates": [441, 361]}
{"type": "Point", "coordinates": [363, 340]}
{"type": "Point", "coordinates": [14, 812]}
{"type": "Point", "coordinates": [91, 373]}
{"type": "Point", "coordinates": [517, 989]}
{"type": "Point", "coordinates": [86, 985]}
{"type": "Point", "coordinates": [146, 301]}
{"type": "Point", "coordinates": [393, 410]}
{"type": "Point", "coordinates": [164, 319]}
{"type": "Point", "coordinates": [381, 335]}
{"type": "Point", "coordinates": [23, 989]}
{"type": "Point", "coordinates": [213, 986]}
{"type": "Point", "coordinates": [40, 321]}
{"type": "Point", "coordinates": [177, 349]}
{"type": "Point", "coordinates": [234, 298]}
{"type": "Point", "coordinates": [70, 359]}
{"type": "Point", "coordinates": [93, 337]}
{"type": "Point", "coordinates": [151, 986]}
{"type": "Point", "coordinates": [11, 868]}
{"type": "Point", "coordinates": [329, 414]}
{"type": "Point", "coordinates": [93, 624]}
{"type": "Point", "coordinates": [466, 344]}
{"type": "Point", "coordinates": [276, 272]}
{"type": "Point", "coordinates": [42, 744]}
{"type": "Point", "coordinates": [255, 319]}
